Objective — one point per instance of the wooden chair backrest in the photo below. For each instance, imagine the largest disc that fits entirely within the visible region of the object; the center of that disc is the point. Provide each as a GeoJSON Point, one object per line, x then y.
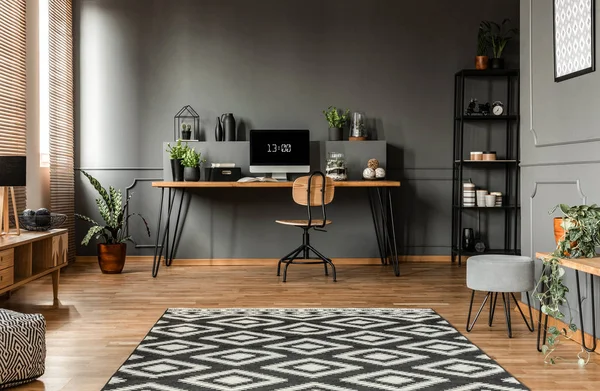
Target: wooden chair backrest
{"type": "Point", "coordinates": [300, 193]}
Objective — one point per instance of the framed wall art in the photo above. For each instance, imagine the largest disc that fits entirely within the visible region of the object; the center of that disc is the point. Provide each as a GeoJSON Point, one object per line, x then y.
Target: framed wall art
{"type": "Point", "coordinates": [574, 38]}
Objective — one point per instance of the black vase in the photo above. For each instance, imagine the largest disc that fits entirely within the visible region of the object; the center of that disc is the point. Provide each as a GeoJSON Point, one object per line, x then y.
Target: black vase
{"type": "Point", "coordinates": [191, 174]}
{"type": "Point", "coordinates": [335, 134]}
{"type": "Point", "coordinates": [229, 126]}
{"type": "Point", "coordinates": [177, 170]}
{"type": "Point", "coordinates": [186, 134]}
{"type": "Point", "coordinates": [497, 63]}
{"type": "Point", "coordinates": [219, 131]}
{"type": "Point", "coordinates": [468, 239]}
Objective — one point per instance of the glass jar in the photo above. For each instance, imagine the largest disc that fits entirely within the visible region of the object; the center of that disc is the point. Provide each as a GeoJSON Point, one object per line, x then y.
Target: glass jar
{"type": "Point", "coordinates": [336, 166]}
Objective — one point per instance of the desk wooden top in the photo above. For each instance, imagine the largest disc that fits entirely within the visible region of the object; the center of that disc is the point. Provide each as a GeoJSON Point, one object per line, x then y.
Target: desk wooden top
{"type": "Point", "coordinates": [288, 184]}
{"type": "Point", "coordinates": [9, 241]}
{"type": "Point", "coordinates": [586, 265]}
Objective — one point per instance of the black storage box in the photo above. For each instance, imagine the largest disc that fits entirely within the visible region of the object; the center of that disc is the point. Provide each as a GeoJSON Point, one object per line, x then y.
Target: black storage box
{"type": "Point", "coordinates": [222, 174]}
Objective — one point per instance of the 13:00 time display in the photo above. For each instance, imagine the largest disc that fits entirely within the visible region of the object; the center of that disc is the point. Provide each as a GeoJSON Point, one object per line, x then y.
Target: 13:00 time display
{"type": "Point", "coordinates": [279, 147]}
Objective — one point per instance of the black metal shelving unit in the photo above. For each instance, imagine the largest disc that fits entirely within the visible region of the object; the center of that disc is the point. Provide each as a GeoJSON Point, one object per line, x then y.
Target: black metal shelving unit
{"type": "Point", "coordinates": [509, 163]}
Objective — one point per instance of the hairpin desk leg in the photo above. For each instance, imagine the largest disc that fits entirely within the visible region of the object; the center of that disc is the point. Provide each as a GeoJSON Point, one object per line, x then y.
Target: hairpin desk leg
{"type": "Point", "coordinates": [174, 243]}
{"type": "Point", "coordinates": [376, 226]}
{"type": "Point", "coordinates": [155, 264]}
{"type": "Point", "coordinates": [593, 347]}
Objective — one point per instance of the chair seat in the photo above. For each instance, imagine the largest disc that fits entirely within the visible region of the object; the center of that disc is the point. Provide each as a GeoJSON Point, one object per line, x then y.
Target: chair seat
{"type": "Point", "coordinates": [303, 223]}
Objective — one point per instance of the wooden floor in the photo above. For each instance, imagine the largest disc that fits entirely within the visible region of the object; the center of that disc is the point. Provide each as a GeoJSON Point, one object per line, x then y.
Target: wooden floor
{"type": "Point", "coordinates": [101, 318]}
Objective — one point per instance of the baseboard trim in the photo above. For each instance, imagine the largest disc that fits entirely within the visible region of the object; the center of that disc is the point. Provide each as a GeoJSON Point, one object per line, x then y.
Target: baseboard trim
{"type": "Point", "coordinates": [271, 261]}
{"type": "Point", "coordinates": [559, 324]}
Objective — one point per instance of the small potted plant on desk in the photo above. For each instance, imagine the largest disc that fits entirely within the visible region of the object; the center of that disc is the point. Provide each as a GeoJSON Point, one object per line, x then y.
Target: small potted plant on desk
{"type": "Point", "coordinates": [176, 154]}
{"type": "Point", "coordinates": [577, 235]}
{"type": "Point", "coordinates": [115, 213]}
{"type": "Point", "coordinates": [191, 165]}
{"type": "Point", "coordinates": [336, 122]}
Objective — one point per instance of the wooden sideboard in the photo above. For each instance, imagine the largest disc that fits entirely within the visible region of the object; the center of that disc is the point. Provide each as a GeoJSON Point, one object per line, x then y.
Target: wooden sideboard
{"type": "Point", "coordinates": [32, 255]}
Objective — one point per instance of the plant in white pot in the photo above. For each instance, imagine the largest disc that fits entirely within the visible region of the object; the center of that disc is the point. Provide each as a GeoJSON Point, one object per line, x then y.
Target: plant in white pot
{"type": "Point", "coordinates": [115, 213]}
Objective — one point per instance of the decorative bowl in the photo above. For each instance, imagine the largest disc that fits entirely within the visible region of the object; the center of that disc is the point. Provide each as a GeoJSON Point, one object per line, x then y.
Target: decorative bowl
{"type": "Point", "coordinates": [41, 222]}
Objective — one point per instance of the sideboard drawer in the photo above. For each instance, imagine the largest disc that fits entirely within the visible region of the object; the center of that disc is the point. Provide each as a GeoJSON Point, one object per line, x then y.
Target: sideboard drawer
{"type": "Point", "coordinates": [7, 277]}
{"type": "Point", "coordinates": [7, 258]}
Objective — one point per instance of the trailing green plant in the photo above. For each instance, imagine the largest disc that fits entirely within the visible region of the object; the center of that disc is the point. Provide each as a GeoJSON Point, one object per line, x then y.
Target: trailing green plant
{"type": "Point", "coordinates": [191, 158]}
{"type": "Point", "coordinates": [115, 214]}
{"type": "Point", "coordinates": [483, 40]}
{"type": "Point", "coordinates": [582, 235]}
{"type": "Point", "coordinates": [178, 150]}
{"type": "Point", "coordinates": [499, 35]}
{"type": "Point", "coordinates": [335, 119]}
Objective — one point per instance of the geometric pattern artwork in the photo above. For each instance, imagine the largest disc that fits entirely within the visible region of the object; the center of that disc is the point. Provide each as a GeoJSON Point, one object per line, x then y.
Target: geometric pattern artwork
{"type": "Point", "coordinates": [22, 347]}
{"type": "Point", "coordinates": [573, 38]}
{"type": "Point", "coordinates": [323, 349]}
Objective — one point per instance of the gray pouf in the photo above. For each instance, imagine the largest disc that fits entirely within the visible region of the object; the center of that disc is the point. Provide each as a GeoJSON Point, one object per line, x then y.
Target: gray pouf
{"type": "Point", "coordinates": [500, 273]}
{"type": "Point", "coordinates": [22, 347]}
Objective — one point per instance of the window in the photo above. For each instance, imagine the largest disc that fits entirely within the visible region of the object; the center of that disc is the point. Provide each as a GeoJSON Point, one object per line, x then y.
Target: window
{"type": "Point", "coordinates": [13, 120]}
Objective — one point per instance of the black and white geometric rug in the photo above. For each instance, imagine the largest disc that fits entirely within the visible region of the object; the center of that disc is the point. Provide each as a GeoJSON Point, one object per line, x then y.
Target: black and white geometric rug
{"type": "Point", "coordinates": [308, 349]}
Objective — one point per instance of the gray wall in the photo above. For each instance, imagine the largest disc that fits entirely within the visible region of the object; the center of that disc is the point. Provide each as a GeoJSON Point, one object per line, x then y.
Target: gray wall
{"type": "Point", "coordinates": [559, 141]}
{"type": "Point", "coordinates": [276, 63]}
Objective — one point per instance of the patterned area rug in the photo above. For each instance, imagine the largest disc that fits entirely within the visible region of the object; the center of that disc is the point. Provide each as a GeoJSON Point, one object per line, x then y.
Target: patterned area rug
{"type": "Point", "coordinates": [308, 349]}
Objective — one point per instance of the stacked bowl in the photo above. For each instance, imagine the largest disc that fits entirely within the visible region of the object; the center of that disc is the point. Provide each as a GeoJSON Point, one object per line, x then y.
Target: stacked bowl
{"type": "Point", "coordinates": [468, 195]}
{"type": "Point", "coordinates": [498, 198]}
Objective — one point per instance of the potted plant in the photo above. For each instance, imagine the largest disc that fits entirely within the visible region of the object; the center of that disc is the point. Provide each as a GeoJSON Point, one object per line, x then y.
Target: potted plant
{"type": "Point", "coordinates": [191, 165]}
{"type": "Point", "coordinates": [112, 252]}
{"type": "Point", "coordinates": [186, 131]}
{"type": "Point", "coordinates": [499, 35]}
{"type": "Point", "coordinates": [336, 122]}
{"type": "Point", "coordinates": [578, 235]}
{"type": "Point", "coordinates": [483, 41]}
{"type": "Point", "coordinates": [176, 154]}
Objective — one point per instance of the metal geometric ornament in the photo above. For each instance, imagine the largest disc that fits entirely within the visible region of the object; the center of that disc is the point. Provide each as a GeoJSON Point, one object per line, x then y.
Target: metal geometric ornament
{"type": "Point", "coordinates": [188, 117]}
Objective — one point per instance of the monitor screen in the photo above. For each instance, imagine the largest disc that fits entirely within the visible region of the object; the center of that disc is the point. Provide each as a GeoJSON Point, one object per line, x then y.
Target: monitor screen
{"type": "Point", "coordinates": [279, 147]}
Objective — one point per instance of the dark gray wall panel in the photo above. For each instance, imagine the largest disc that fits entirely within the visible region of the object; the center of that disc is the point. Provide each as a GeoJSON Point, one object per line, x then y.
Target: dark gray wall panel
{"type": "Point", "coordinates": [277, 64]}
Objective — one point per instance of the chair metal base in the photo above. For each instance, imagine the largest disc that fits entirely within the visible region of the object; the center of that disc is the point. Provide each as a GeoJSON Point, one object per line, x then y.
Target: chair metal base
{"type": "Point", "coordinates": [493, 297]}
{"type": "Point", "coordinates": [301, 255]}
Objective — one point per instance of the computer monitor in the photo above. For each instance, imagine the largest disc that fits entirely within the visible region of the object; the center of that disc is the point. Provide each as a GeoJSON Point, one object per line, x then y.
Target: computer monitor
{"type": "Point", "coordinates": [279, 152]}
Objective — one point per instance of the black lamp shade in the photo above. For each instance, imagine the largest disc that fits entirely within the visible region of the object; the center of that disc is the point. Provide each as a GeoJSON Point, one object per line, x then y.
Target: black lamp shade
{"type": "Point", "coordinates": [13, 171]}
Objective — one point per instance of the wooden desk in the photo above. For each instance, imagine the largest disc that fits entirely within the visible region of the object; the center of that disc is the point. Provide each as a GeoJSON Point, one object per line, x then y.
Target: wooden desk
{"type": "Point", "coordinates": [378, 191]}
{"type": "Point", "coordinates": [32, 255]}
{"type": "Point", "coordinates": [590, 266]}
{"type": "Point", "coordinates": [194, 185]}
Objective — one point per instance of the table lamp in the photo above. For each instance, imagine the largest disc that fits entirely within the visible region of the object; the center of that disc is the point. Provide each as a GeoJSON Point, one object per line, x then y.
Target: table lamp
{"type": "Point", "coordinates": [13, 172]}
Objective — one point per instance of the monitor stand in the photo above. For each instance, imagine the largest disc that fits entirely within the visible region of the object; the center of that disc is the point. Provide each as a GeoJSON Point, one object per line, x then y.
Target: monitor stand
{"type": "Point", "coordinates": [280, 176]}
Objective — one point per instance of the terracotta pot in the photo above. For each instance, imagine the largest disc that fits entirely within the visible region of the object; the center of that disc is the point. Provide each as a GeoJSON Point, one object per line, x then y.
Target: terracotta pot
{"type": "Point", "coordinates": [481, 62]}
{"type": "Point", "coordinates": [111, 257]}
{"type": "Point", "coordinates": [559, 233]}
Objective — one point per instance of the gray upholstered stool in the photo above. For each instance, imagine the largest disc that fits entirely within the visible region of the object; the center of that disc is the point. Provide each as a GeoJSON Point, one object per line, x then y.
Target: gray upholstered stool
{"type": "Point", "coordinates": [503, 274]}
{"type": "Point", "coordinates": [22, 347]}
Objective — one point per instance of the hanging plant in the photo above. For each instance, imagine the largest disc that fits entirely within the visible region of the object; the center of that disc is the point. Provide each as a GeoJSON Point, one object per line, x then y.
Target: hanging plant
{"type": "Point", "coordinates": [582, 235]}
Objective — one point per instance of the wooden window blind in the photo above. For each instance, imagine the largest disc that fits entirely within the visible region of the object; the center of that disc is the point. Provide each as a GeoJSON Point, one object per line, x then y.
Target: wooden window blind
{"type": "Point", "coordinates": [13, 125]}
{"type": "Point", "coordinates": [61, 111]}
